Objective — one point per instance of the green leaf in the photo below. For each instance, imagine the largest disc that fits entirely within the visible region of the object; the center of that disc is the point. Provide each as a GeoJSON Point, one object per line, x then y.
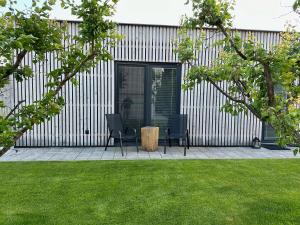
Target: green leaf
{"type": "Point", "coordinates": [2, 3]}
{"type": "Point", "coordinates": [296, 5]}
{"type": "Point", "coordinates": [51, 2]}
{"type": "Point", "coordinates": [2, 105]}
{"type": "Point", "coordinates": [74, 81]}
{"type": "Point", "coordinates": [19, 44]}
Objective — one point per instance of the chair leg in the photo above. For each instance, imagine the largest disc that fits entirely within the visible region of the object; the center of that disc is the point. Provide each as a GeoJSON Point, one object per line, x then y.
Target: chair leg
{"type": "Point", "coordinates": [185, 142]}
{"type": "Point", "coordinates": [165, 147]}
{"type": "Point", "coordinates": [121, 146]}
{"type": "Point", "coordinates": [126, 147]}
{"type": "Point", "coordinates": [107, 142]}
{"type": "Point", "coordinates": [137, 145]}
{"type": "Point", "coordinates": [188, 140]}
{"type": "Point", "coordinates": [170, 142]}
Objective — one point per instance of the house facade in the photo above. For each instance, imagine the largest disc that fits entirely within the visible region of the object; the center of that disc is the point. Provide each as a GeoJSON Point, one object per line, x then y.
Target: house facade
{"type": "Point", "coordinates": [143, 84]}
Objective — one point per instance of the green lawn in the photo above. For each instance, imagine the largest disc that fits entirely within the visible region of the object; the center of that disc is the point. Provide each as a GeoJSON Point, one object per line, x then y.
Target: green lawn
{"type": "Point", "coordinates": [151, 192]}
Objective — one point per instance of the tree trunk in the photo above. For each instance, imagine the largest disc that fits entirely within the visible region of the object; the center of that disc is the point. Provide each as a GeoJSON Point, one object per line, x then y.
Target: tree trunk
{"type": "Point", "coordinates": [269, 84]}
{"type": "Point", "coordinates": [4, 150]}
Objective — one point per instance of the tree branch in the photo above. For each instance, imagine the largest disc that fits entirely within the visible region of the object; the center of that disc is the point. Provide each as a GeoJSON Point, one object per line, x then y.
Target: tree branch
{"type": "Point", "coordinates": [238, 51]}
{"type": "Point", "coordinates": [75, 71]}
{"type": "Point", "coordinates": [266, 66]}
{"type": "Point", "coordinates": [57, 90]}
{"type": "Point", "coordinates": [241, 101]}
{"type": "Point", "coordinates": [269, 84]}
{"type": "Point", "coordinates": [242, 88]}
{"type": "Point", "coordinates": [14, 109]}
{"type": "Point", "coordinates": [17, 63]}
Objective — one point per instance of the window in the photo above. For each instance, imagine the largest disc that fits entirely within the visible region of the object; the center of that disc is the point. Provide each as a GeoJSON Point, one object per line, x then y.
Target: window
{"type": "Point", "coordinates": [147, 94]}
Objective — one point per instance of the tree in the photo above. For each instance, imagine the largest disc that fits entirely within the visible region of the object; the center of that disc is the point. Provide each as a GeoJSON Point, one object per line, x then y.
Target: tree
{"type": "Point", "coordinates": [296, 5]}
{"type": "Point", "coordinates": [252, 73]}
{"type": "Point", "coordinates": [31, 30]}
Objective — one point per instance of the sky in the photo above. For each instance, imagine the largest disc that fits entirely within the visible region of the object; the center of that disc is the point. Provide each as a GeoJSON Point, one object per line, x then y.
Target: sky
{"type": "Point", "coordinates": [249, 14]}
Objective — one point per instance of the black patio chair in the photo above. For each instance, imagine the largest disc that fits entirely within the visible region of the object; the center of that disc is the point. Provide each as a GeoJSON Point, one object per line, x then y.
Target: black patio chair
{"type": "Point", "coordinates": [117, 131]}
{"type": "Point", "coordinates": [177, 129]}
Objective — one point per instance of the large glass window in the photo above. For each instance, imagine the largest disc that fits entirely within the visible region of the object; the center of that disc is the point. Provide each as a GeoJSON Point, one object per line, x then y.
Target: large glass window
{"type": "Point", "coordinates": [147, 94]}
{"type": "Point", "coordinates": [130, 99]}
{"type": "Point", "coordinates": [269, 134]}
{"type": "Point", "coordinates": [164, 96]}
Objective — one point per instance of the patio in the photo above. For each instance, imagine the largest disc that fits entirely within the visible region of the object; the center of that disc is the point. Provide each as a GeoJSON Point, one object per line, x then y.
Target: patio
{"type": "Point", "coordinates": [114, 153]}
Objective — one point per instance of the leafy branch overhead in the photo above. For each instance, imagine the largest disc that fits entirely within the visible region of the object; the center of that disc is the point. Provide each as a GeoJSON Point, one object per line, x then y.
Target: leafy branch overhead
{"type": "Point", "coordinates": [260, 80]}
{"type": "Point", "coordinates": [31, 31]}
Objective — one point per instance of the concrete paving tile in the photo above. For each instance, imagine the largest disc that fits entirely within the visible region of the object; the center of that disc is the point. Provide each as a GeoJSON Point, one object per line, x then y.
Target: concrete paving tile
{"type": "Point", "coordinates": [83, 156]}
{"type": "Point", "coordinates": [200, 155]}
{"type": "Point", "coordinates": [155, 155]}
{"type": "Point", "coordinates": [118, 155]}
{"type": "Point", "coordinates": [143, 155]}
{"type": "Point", "coordinates": [7, 159]}
{"type": "Point", "coordinates": [167, 156]}
{"type": "Point", "coordinates": [221, 155]}
{"type": "Point", "coordinates": [131, 156]}
{"type": "Point", "coordinates": [209, 155]}
{"type": "Point", "coordinates": [71, 156]}
{"type": "Point", "coordinates": [11, 152]}
{"type": "Point", "coordinates": [232, 155]}
{"type": "Point", "coordinates": [114, 153]}
{"type": "Point", "coordinates": [59, 157]}
{"type": "Point", "coordinates": [108, 155]}
{"type": "Point", "coordinates": [95, 157]}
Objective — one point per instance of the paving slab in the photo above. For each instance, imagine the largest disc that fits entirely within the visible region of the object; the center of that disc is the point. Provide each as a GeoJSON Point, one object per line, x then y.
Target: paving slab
{"type": "Point", "coordinates": [130, 153]}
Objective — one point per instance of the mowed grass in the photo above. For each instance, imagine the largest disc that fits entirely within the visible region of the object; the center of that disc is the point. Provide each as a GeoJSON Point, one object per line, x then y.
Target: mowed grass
{"type": "Point", "coordinates": [151, 192]}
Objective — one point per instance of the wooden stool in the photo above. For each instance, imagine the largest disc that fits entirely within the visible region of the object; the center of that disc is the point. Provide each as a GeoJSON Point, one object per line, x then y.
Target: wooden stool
{"type": "Point", "coordinates": [149, 136]}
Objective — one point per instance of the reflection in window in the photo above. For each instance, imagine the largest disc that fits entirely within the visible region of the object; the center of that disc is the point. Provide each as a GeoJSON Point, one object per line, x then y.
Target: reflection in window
{"type": "Point", "coordinates": [163, 99]}
{"type": "Point", "coordinates": [131, 95]}
{"type": "Point", "coordinates": [269, 132]}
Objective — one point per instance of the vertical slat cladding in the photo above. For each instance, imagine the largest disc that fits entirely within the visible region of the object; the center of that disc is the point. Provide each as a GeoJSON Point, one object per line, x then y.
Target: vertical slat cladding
{"type": "Point", "coordinates": [99, 106]}
{"type": "Point", "coordinates": [27, 92]}
{"type": "Point", "coordinates": [147, 43]}
{"type": "Point", "coordinates": [213, 133]}
{"type": "Point", "coordinates": [195, 101]}
{"type": "Point", "coordinates": [103, 100]}
{"type": "Point", "coordinates": [87, 103]}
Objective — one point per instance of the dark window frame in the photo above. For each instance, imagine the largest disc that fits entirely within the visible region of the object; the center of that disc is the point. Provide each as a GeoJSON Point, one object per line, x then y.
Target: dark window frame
{"type": "Point", "coordinates": [264, 138]}
{"type": "Point", "coordinates": [147, 83]}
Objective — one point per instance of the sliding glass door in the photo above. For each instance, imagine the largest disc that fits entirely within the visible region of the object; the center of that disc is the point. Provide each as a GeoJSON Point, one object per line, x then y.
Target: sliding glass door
{"type": "Point", "coordinates": [164, 96]}
{"type": "Point", "coordinates": [130, 99]}
{"type": "Point", "coordinates": [147, 94]}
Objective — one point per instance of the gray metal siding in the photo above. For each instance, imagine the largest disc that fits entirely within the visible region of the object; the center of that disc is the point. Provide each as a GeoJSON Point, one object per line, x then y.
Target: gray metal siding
{"type": "Point", "coordinates": [87, 103]}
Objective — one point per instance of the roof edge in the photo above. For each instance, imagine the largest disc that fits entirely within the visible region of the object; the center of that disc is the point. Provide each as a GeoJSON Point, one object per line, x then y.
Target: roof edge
{"type": "Point", "coordinates": [177, 26]}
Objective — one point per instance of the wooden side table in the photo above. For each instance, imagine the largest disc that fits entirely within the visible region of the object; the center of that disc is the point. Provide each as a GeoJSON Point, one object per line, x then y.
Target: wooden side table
{"type": "Point", "coordinates": [149, 136]}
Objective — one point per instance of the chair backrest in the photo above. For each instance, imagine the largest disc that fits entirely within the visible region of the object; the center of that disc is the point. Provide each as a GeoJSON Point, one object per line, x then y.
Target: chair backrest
{"type": "Point", "coordinates": [178, 124]}
{"type": "Point", "coordinates": [114, 123]}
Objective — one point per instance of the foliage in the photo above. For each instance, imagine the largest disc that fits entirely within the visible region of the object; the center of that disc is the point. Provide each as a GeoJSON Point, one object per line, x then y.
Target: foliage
{"type": "Point", "coordinates": [31, 30]}
{"type": "Point", "coordinates": [296, 5]}
{"type": "Point", "coordinates": [260, 80]}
